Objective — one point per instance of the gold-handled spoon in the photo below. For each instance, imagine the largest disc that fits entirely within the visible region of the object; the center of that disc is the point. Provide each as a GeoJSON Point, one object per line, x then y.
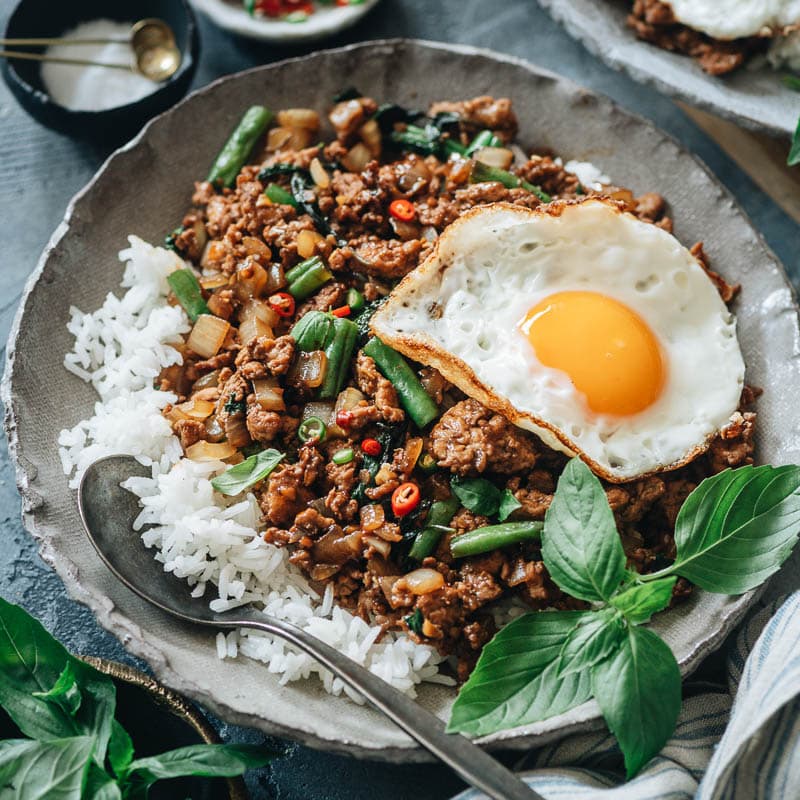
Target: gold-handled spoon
{"type": "Point", "coordinates": [156, 56]}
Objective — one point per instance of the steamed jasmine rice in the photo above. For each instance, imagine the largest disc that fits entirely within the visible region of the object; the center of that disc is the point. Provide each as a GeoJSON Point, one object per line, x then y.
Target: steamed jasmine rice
{"type": "Point", "coordinates": [210, 541]}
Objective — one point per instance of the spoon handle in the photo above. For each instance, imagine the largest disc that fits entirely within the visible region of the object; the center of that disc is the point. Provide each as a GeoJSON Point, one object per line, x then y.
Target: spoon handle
{"type": "Point", "coordinates": [39, 57]}
{"type": "Point", "coordinates": [58, 40]}
{"type": "Point", "coordinates": [467, 759]}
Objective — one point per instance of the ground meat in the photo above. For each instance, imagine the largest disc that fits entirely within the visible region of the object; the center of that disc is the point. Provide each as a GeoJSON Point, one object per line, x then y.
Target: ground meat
{"type": "Point", "coordinates": [650, 206]}
{"type": "Point", "coordinates": [630, 502]}
{"type": "Point", "coordinates": [483, 112]}
{"type": "Point", "coordinates": [653, 21]}
{"type": "Point", "coordinates": [288, 489]}
{"type": "Point", "coordinates": [548, 175]}
{"type": "Point", "coordinates": [477, 587]}
{"type": "Point", "coordinates": [262, 425]}
{"type": "Point", "coordinates": [349, 115]}
{"type": "Point", "coordinates": [342, 479]}
{"type": "Point", "coordinates": [734, 445]}
{"type": "Point", "coordinates": [190, 431]}
{"type": "Point", "coordinates": [328, 297]}
{"type": "Point", "coordinates": [470, 439]}
{"type": "Point", "coordinates": [378, 389]}
{"type": "Point", "coordinates": [727, 291]}
{"type": "Point", "coordinates": [384, 258]}
{"type": "Point", "coordinates": [266, 356]}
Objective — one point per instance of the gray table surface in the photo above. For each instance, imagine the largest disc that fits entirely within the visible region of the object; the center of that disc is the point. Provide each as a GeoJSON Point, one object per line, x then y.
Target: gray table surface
{"type": "Point", "coordinates": [40, 171]}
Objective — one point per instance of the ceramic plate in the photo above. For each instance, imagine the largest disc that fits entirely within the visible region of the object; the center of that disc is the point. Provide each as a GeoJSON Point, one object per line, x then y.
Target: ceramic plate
{"type": "Point", "coordinates": [754, 97]}
{"type": "Point", "coordinates": [325, 21]}
{"type": "Point", "coordinates": [79, 267]}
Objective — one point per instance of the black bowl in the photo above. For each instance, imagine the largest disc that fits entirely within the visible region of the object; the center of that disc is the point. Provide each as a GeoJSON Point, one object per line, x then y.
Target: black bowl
{"type": "Point", "coordinates": [44, 18]}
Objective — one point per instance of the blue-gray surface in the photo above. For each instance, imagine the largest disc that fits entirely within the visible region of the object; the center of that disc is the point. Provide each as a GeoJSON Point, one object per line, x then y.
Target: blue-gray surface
{"type": "Point", "coordinates": [41, 170]}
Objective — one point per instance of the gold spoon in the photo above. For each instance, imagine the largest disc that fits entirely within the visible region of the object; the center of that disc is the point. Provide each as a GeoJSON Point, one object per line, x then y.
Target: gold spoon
{"type": "Point", "coordinates": [156, 56]}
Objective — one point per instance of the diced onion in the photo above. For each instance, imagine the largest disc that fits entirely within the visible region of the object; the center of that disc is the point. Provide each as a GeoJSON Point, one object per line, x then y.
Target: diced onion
{"type": "Point", "coordinates": [253, 246]}
{"type": "Point", "coordinates": [405, 230]}
{"type": "Point", "coordinates": [500, 157]}
{"type": "Point", "coordinates": [429, 233]}
{"type": "Point", "coordinates": [319, 174]}
{"type": "Point", "coordinates": [389, 532]}
{"type": "Point", "coordinates": [200, 235]}
{"type": "Point", "coordinates": [251, 278]}
{"type": "Point", "coordinates": [208, 381]}
{"type": "Point", "coordinates": [207, 335]}
{"type": "Point", "coordinates": [275, 279]}
{"type": "Point", "coordinates": [385, 473]}
{"type": "Point", "coordinates": [236, 430]}
{"type": "Point", "coordinates": [253, 328]}
{"type": "Point", "coordinates": [197, 409]}
{"type": "Point", "coordinates": [421, 581]}
{"type": "Point", "coordinates": [321, 410]}
{"type": "Point", "coordinates": [372, 517]}
{"type": "Point", "coordinates": [370, 134]}
{"type": "Point", "coordinates": [213, 253]}
{"type": "Point", "coordinates": [382, 546]}
{"type": "Point", "coordinates": [278, 138]}
{"type": "Point", "coordinates": [269, 394]}
{"type": "Point", "coordinates": [308, 370]}
{"type": "Point", "coordinates": [210, 451]}
{"type": "Point", "coordinates": [259, 309]}
{"type": "Point", "coordinates": [299, 118]}
{"type": "Point", "coordinates": [214, 431]}
{"type": "Point", "coordinates": [356, 158]}
{"type": "Point", "coordinates": [214, 280]}
{"type": "Point", "coordinates": [307, 243]}
{"type": "Point", "coordinates": [413, 452]}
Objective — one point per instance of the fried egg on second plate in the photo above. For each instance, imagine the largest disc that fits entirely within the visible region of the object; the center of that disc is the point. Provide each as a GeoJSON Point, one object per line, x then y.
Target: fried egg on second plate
{"type": "Point", "coordinates": [732, 19]}
{"type": "Point", "coordinates": [600, 333]}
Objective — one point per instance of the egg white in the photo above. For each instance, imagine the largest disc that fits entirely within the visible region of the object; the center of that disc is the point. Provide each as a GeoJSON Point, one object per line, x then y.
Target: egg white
{"type": "Point", "coordinates": [732, 19]}
{"type": "Point", "coordinates": [459, 312]}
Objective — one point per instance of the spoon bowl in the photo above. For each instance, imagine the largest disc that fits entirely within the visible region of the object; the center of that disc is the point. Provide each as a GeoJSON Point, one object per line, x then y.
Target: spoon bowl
{"type": "Point", "coordinates": [108, 512]}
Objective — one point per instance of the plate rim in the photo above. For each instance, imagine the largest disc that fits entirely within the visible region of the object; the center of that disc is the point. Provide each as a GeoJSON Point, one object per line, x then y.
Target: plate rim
{"type": "Point", "coordinates": [101, 605]}
{"type": "Point", "coordinates": [557, 10]}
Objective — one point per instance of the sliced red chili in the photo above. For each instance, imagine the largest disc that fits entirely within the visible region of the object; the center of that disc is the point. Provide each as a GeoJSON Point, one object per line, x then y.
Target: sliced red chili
{"type": "Point", "coordinates": [372, 447]}
{"type": "Point", "coordinates": [282, 303]}
{"type": "Point", "coordinates": [342, 311]}
{"type": "Point", "coordinates": [344, 419]}
{"type": "Point", "coordinates": [402, 209]}
{"type": "Point", "coordinates": [405, 498]}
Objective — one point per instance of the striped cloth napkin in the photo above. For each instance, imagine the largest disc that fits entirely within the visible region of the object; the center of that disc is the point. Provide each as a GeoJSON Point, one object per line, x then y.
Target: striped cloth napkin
{"type": "Point", "coordinates": [739, 744]}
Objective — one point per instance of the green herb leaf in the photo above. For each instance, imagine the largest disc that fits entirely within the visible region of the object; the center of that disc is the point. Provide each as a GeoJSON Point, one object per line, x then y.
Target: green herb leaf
{"type": "Point", "coordinates": [414, 621]}
{"type": "Point", "coordinates": [31, 660]}
{"type": "Point", "coordinates": [595, 638]}
{"type": "Point", "coordinates": [639, 602]}
{"type": "Point", "coordinates": [120, 749]}
{"type": "Point", "coordinates": [639, 692]}
{"type": "Point", "coordinates": [736, 528]}
{"type": "Point", "coordinates": [252, 470]}
{"type": "Point", "coordinates": [100, 785]}
{"type": "Point", "coordinates": [65, 692]}
{"type": "Point", "coordinates": [792, 82]}
{"type": "Point", "coordinates": [794, 153]}
{"type": "Point", "coordinates": [516, 680]}
{"type": "Point", "coordinates": [234, 406]}
{"type": "Point", "coordinates": [508, 505]}
{"type": "Point", "coordinates": [580, 545]}
{"type": "Point", "coordinates": [477, 494]}
{"type": "Point", "coordinates": [203, 760]}
{"type": "Point", "coordinates": [53, 770]}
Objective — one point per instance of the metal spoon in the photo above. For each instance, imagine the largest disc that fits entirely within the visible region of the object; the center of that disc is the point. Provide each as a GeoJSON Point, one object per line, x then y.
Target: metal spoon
{"type": "Point", "coordinates": [155, 54]}
{"type": "Point", "coordinates": [108, 511]}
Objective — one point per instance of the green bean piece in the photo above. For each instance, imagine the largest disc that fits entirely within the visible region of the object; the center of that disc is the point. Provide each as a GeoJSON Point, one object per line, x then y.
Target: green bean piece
{"type": "Point", "coordinates": [237, 149]}
{"type": "Point", "coordinates": [279, 195]}
{"type": "Point", "coordinates": [339, 351]}
{"type": "Point", "coordinates": [313, 331]}
{"type": "Point", "coordinates": [186, 288]}
{"type": "Point", "coordinates": [442, 511]}
{"type": "Point", "coordinates": [355, 300]}
{"type": "Point", "coordinates": [300, 269]}
{"type": "Point", "coordinates": [481, 173]}
{"type": "Point", "coordinates": [417, 403]}
{"type": "Point", "coordinates": [494, 537]}
{"type": "Point", "coordinates": [483, 139]}
{"type": "Point", "coordinates": [314, 276]}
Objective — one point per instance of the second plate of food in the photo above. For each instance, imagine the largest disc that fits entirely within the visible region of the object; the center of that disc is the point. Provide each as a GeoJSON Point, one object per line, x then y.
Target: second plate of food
{"type": "Point", "coordinates": [327, 469]}
{"type": "Point", "coordinates": [735, 70]}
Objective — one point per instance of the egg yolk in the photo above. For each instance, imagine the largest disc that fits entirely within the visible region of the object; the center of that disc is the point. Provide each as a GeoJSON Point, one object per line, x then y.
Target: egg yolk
{"type": "Point", "coordinates": [607, 350]}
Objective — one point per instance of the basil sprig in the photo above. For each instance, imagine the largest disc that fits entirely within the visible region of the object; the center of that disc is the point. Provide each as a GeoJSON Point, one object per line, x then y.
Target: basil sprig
{"type": "Point", "coordinates": [242, 476]}
{"type": "Point", "coordinates": [733, 532]}
{"type": "Point", "coordinates": [76, 748]}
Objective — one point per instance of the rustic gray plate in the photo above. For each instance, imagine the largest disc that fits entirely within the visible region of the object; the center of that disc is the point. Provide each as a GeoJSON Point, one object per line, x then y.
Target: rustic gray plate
{"type": "Point", "coordinates": [754, 97]}
{"type": "Point", "coordinates": [145, 187]}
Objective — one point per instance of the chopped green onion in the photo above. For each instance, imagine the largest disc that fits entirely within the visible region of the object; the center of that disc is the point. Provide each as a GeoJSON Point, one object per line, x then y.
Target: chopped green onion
{"type": "Point", "coordinates": [355, 300]}
{"type": "Point", "coordinates": [493, 537]}
{"type": "Point", "coordinates": [343, 456]}
{"type": "Point", "coordinates": [312, 428]}
{"type": "Point", "coordinates": [186, 288]}
{"type": "Point", "coordinates": [280, 195]}
{"type": "Point", "coordinates": [427, 464]}
{"type": "Point", "coordinates": [481, 173]}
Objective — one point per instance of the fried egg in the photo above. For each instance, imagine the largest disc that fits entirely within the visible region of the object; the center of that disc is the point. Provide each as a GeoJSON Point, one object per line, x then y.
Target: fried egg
{"type": "Point", "coordinates": [600, 333]}
{"type": "Point", "coordinates": [732, 19]}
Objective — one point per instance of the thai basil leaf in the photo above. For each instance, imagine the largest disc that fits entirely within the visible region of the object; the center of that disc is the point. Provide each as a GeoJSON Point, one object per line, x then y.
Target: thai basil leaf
{"type": "Point", "coordinates": [595, 638]}
{"type": "Point", "coordinates": [639, 602]}
{"type": "Point", "coordinates": [120, 749]}
{"type": "Point", "coordinates": [508, 505]}
{"type": "Point", "coordinates": [794, 153]}
{"type": "Point", "coordinates": [736, 528]}
{"type": "Point", "coordinates": [100, 785]}
{"type": "Point", "coordinates": [639, 692]}
{"type": "Point", "coordinates": [208, 761]}
{"type": "Point", "coordinates": [31, 660]}
{"type": "Point", "coordinates": [477, 494]}
{"type": "Point", "coordinates": [242, 476]}
{"type": "Point", "coordinates": [580, 545]}
{"type": "Point", "coordinates": [53, 770]}
{"type": "Point", "coordinates": [516, 680]}
{"type": "Point", "coordinates": [65, 692]}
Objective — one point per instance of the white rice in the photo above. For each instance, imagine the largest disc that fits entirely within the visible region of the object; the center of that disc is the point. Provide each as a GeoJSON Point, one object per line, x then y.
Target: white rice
{"type": "Point", "coordinates": [208, 540]}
